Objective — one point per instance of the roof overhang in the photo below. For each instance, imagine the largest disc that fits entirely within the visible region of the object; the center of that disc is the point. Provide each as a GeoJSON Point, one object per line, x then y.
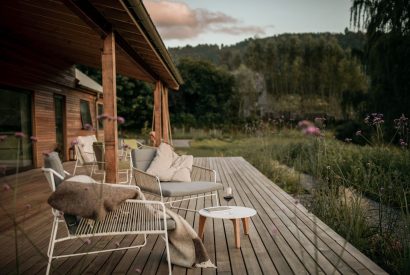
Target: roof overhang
{"type": "Point", "coordinates": [74, 29]}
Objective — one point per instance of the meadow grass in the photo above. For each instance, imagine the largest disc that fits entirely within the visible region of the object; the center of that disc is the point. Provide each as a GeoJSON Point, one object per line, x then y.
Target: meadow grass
{"type": "Point", "coordinates": [344, 173]}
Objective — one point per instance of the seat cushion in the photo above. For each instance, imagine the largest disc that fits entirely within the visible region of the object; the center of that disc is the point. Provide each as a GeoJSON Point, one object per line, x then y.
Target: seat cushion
{"type": "Point", "coordinates": [170, 224]}
{"type": "Point", "coordinates": [142, 158]}
{"type": "Point", "coordinates": [180, 189]}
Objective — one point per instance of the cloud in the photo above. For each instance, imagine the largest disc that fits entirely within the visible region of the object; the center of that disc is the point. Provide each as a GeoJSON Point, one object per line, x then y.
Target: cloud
{"type": "Point", "coordinates": [176, 20]}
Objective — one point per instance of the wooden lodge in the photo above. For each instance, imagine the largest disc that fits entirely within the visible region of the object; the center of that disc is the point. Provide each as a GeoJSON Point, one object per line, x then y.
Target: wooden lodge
{"type": "Point", "coordinates": [43, 95]}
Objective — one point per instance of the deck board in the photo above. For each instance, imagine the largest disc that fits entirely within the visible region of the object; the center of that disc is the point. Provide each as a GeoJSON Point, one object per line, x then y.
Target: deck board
{"type": "Point", "coordinates": [284, 237]}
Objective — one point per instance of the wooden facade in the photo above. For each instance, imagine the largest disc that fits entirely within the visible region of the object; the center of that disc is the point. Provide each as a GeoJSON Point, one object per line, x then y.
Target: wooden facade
{"type": "Point", "coordinates": [44, 76]}
{"type": "Point", "coordinates": [43, 40]}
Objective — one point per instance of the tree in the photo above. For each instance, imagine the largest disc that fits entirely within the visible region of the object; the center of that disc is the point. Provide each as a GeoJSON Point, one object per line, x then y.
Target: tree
{"type": "Point", "coordinates": [206, 99]}
{"type": "Point", "coordinates": [387, 53]}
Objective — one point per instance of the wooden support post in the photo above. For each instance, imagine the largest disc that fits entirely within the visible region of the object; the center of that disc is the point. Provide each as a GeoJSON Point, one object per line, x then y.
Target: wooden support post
{"type": "Point", "coordinates": [110, 108]}
{"type": "Point", "coordinates": [157, 113]}
{"type": "Point", "coordinates": [165, 115]}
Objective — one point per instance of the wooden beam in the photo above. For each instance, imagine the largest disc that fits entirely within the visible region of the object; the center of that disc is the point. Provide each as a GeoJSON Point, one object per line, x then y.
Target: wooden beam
{"type": "Point", "coordinates": [98, 22]}
{"type": "Point", "coordinates": [110, 108]}
{"type": "Point", "coordinates": [157, 113]}
{"type": "Point", "coordinates": [165, 115]}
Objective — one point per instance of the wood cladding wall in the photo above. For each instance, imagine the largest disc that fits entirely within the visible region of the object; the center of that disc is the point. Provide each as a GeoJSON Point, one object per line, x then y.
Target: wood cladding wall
{"type": "Point", "coordinates": [45, 76]}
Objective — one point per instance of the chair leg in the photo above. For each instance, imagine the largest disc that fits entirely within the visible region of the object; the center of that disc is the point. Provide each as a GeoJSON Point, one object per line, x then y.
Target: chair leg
{"type": "Point", "coordinates": [51, 244]}
{"type": "Point", "coordinates": [168, 255]}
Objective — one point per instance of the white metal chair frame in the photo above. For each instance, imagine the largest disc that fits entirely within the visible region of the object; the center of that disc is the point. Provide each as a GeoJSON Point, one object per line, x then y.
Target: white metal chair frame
{"type": "Point", "coordinates": [137, 217]}
{"type": "Point", "coordinates": [80, 162]}
{"type": "Point", "coordinates": [152, 184]}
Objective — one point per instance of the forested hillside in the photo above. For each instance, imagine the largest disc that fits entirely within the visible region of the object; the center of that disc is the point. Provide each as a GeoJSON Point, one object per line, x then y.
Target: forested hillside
{"type": "Point", "coordinates": [293, 74]}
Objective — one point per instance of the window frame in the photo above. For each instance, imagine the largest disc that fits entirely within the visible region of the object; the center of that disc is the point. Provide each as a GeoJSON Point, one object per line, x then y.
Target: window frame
{"type": "Point", "coordinates": [82, 115]}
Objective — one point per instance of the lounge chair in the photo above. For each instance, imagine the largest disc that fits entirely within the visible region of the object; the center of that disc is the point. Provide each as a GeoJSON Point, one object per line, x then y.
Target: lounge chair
{"type": "Point", "coordinates": [85, 153]}
{"type": "Point", "coordinates": [125, 166]}
{"type": "Point", "coordinates": [90, 154]}
{"type": "Point", "coordinates": [205, 186]}
{"type": "Point", "coordinates": [136, 218]}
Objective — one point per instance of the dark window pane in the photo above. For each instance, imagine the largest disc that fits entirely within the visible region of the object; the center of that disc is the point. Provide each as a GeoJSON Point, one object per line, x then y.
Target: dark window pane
{"type": "Point", "coordinates": [100, 112]}
{"type": "Point", "coordinates": [85, 114]}
{"type": "Point", "coordinates": [15, 116]}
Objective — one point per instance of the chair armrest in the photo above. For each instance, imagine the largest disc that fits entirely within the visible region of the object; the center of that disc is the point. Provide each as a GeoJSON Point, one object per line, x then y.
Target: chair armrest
{"type": "Point", "coordinates": [152, 215]}
{"type": "Point", "coordinates": [147, 182]}
{"type": "Point", "coordinates": [204, 173]}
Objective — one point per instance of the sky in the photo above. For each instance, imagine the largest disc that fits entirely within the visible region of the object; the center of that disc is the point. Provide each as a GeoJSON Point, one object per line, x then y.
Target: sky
{"type": "Point", "coordinates": [193, 22]}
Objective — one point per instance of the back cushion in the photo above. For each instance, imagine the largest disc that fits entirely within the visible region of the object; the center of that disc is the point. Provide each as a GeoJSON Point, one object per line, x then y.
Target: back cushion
{"type": "Point", "coordinates": [52, 160]}
{"type": "Point", "coordinates": [85, 145]}
{"type": "Point", "coordinates": [98, 148]}
{"type": "Point", "coordinates": [142, 158]}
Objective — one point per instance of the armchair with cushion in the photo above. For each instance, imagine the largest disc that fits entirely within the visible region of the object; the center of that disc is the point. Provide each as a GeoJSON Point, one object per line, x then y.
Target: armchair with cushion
{"type": "Point", "coordinates": [205, 180]}
{"type": "Point", "coordinates": [136, 217]}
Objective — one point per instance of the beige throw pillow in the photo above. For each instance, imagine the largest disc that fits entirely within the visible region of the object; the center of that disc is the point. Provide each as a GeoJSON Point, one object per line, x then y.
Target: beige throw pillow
{"type": "Point", "coordinates": [168, 166]}
{"type": "Point", "coordinates": [85, 144]}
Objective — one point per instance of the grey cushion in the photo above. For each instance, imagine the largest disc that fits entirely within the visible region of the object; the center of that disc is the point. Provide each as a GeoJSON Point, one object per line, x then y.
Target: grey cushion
{"type": "Point", "coordinates": [142, 158]}
{"type": "Point", "coordinates": [52, 160]}
{"type": "Point", "coordinates": [180, 189]}
{"type": "Point", "coordinates": [170, 224]}
{"type": "Point", "coordinates": [98, 148]}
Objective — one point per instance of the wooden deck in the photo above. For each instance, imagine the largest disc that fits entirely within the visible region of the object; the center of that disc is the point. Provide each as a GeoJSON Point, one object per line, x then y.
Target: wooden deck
{"type": "Point", "coordinates": [284, 237]}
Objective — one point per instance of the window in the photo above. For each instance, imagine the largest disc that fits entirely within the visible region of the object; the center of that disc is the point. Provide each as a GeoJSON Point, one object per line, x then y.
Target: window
{"type": "Point", "coordinates": [100, 112]}
{"type": "Point", "coordinates": [15, 116]}
{"type": "Point", "coordinates": [85, 114]}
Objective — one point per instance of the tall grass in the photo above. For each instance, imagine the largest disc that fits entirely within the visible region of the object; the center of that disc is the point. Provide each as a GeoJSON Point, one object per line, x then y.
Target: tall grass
{"type": "Point", "coordinates": [346, 174]}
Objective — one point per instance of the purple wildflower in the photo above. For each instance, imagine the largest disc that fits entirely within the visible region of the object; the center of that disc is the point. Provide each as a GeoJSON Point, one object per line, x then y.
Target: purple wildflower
{"type": "Point", "coordinates": [74, 142]}
{"type": "Point", "coordinates": [359, 133]}
{"type": "Point", "coordinates": [305, 124]}
{"type": "Point", "coordinates": [400, 122]}
{"type": "Point", "coordinates": [312, 130]}
{"type": "Point", "coordinates": [19, 134]}
{"type": "Point", "coordinates": [367, 119]}
{"type": "Point", "coordinates": [102, 117]}
{"type": "Point", "coordinates": [88, 127]}
{"type": "Point", "coordinates": [402, 143]}
{"type": "Point", "coordinates": [2, 138]}
{"type": "Point", "coordinates": [120, 120]}
{"type": "Point", "coordinates": [6, 187]}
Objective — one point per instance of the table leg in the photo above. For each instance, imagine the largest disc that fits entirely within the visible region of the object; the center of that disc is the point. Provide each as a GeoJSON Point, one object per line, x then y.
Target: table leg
{"type": "Point", "coordinates": [201, 228]}
{"type": "Point", "coordinates": [245, 223]}
{"type": "Point", "coordinates": [237, 232]}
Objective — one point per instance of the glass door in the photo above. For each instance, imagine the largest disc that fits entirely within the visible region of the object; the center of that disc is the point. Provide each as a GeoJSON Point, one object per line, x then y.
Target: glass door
{"type": "Point", "coordinates": [15, 117]}
{"type": "Point", "coordinates": [59, 107]}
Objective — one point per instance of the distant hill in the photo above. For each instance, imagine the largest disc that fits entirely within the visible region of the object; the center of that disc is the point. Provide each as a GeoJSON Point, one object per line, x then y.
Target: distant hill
{"type": "Point", "coordinates": [218, 55]}
{"type": "Point", "coordinates": [294, 74]}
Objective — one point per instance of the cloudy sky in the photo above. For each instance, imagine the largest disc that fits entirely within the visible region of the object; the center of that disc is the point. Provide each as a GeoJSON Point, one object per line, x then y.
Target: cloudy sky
{"type": "Point", "coordinates": [182, 22]}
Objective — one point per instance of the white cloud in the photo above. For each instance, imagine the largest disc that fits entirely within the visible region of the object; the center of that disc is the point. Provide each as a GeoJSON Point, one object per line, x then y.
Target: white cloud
{"type": "Point", "coordinates": [176, 20]}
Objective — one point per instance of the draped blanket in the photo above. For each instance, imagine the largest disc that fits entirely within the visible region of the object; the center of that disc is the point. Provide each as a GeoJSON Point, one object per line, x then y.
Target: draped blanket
{"type": "Point", "coordinates": [93, 201]}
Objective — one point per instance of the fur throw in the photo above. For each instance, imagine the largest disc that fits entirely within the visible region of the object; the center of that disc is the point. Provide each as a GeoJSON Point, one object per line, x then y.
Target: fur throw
{"type": "Point", "coordinates": [185, 247]}
{"type": "Point", "coordinates": [89, 200]}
